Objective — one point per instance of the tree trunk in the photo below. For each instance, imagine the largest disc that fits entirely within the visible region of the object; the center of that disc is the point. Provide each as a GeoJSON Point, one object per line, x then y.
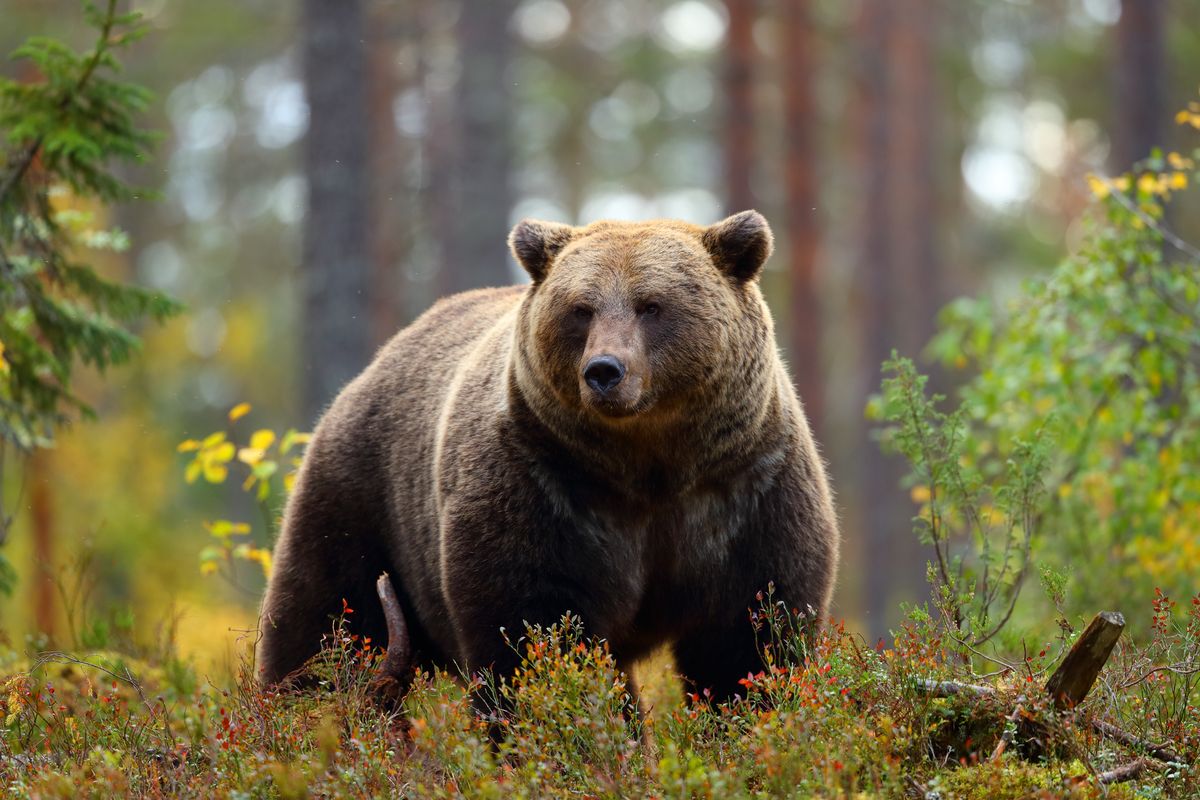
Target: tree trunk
{"type": "Point", "coordinates": [912, 185]}
{"type": "Point", "coordinates": [336, 250]}
{"type": "Point", "coordinates": [391, 214]}
{"type": "Point", "coordinates": [474, 251]}
{"type": "Point", "coordinates": [878, 479]}
{"type": "Point", "coordinates": [1141, 77]}
{"type": "Point", "coordinates": [41, 517]}
{"type": "Point", "coordinates": [898, 285]}
{"type": "Point", "coordinates": [739, 106]}
{"type": "Point", "coordinates": [803, 221]}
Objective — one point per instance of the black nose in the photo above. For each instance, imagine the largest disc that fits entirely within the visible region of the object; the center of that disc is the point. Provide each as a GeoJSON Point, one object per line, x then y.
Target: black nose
{"type": "Point", "coordinates": [602, 373]}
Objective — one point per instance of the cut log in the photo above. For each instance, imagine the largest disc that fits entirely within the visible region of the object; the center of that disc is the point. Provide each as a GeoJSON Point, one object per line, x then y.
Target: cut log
{"type": "Point", "coordinates": [1073, 679]}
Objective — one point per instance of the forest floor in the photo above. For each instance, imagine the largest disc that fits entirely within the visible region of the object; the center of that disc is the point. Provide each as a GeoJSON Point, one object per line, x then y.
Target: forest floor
{"type": "Point", "coordinates": [828, 716]}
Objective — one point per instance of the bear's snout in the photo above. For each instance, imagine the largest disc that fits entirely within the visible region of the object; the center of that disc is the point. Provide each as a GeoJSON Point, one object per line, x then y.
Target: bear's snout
{"type": "Point", "coordinates": [603, 373]}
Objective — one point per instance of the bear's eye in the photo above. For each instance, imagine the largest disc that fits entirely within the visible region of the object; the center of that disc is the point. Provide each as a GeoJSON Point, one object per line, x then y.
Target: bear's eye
{"type": "Point", "coordinates": [582, 312]}
{"type": "Point", "coordinates": [650, 310]}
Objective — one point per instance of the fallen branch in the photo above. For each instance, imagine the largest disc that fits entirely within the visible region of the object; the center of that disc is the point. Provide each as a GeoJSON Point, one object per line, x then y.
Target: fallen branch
{"type": "Point", "coordinates": [395, 673]}
{"type": "Point", "coordinates": [1136, 744]}
{"type": "Point", "coordinates": [953, 688]}
{"type": "Point", "coordinates": [1124, 773]}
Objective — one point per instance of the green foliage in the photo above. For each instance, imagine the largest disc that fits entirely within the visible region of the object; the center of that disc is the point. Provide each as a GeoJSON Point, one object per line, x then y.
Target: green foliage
{"type": "Point", "coordinates": [1088, 379]}
{"type": "Point", "coordinates": [979, 510]}
{"type": "Point", "coordinates": [60, 136]}
{"type": "Point", "coordinates": [1108, 344]}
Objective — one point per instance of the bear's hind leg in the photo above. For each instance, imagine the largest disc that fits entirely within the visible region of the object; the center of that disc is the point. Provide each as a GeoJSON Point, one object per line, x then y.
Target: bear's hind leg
{"type": "Point", "coordinates": [325, 555]}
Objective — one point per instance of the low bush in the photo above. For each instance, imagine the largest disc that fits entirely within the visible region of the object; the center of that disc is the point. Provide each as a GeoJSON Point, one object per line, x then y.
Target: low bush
{"type": "Point", "coordinates": [827, 716]}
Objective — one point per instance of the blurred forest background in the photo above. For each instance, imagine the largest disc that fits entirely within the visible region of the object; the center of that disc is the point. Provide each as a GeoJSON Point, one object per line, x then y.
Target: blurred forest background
{"type": "Point", "coordinates": [328, 169]}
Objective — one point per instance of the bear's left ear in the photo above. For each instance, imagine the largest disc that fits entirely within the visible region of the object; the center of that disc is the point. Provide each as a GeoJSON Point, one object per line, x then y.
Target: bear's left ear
{"type": "Point", "coordinates": [740, 245]}
{"type": "Point", "coordinates": [535, 244]}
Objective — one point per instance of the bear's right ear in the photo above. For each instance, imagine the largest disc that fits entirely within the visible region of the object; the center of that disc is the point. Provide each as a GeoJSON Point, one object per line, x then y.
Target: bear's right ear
{"type": "Point", "coordinates": [535, 244]}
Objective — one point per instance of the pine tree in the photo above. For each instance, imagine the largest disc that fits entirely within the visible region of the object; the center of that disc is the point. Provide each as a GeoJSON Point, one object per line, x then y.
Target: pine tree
{"type": "Point", "coordinates": [60, 138]}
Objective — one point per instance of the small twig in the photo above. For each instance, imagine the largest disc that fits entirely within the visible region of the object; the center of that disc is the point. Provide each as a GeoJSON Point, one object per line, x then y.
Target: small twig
{"type": "Point", "coordinates": [1168, 236]}
{"type": "Point", "coordinates": [1010, 730]}
{"type": "Point", "coordinates": [915, 788]}
{"type": "Point", "coordinates": [1182, 668]}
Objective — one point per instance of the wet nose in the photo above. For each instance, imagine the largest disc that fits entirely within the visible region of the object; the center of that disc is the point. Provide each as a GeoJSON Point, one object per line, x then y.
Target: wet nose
{"type": "Point", "coordinates": [602, 373]}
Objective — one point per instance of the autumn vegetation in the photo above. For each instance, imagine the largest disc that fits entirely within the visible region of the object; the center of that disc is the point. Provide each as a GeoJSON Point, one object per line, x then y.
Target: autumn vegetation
{"type": "Point", "coordinates": [1059, 465]}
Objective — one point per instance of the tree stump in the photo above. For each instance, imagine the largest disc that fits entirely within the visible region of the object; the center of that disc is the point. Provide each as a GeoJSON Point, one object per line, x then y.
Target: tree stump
{"type": "Point", "coordinates": [1073, 679]}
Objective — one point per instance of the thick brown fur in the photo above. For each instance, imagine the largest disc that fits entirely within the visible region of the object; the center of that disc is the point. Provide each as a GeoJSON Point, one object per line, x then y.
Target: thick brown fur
{"type": "Point", "coordinates": [474, 463]}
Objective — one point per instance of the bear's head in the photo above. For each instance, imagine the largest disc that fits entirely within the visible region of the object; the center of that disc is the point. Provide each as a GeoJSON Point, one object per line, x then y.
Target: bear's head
{"type": "Point", "coordinates": [629, 321]}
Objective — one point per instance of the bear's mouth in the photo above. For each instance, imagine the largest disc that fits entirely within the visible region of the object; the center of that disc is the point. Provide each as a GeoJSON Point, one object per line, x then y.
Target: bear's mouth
{"type": "Point", "coordinates": [626, 400]}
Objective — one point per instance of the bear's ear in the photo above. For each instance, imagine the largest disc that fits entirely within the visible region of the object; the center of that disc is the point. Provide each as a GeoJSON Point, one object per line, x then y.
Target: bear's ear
{"type": "Point", "coordinates": [740, 245]}
{"type": "Point", "coordinates": [535, 244]}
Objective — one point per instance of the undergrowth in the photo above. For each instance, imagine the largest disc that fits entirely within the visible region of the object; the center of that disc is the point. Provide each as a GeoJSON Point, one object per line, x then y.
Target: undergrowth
{"type": "Point", "coordinates": [827, 716]}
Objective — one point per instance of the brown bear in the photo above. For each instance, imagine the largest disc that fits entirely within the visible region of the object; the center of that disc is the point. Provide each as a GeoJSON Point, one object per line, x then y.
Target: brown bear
{"type": "Point", "coordinates": [619, 439]}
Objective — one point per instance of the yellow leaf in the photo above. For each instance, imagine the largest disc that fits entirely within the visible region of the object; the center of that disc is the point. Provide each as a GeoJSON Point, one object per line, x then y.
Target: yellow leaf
{"type": "Point", "coordinates": [263, 557]}
{"type": "Point", "coordinates": [193, 471]}
{"type": "Point", "coordinates": [208, 567]}
{"type": "Point", "coordinates": [239, 411]}
{"type": "Point", "coordinates": [1064, 491]}
{"type": "Point", "coordinates": [1099, 186]}
{"type": "Point", "coordinates": [1147, 184]}
{"type": "Point", "coordinates": [291, 439]}
{"type": "Point", "coordinates": [187, 445]}
{"type": "Point", "coordinates": [250, 455]}
{"type": "Point", "coordinates": [212, 440]}
{"type": "Point", "coordinates": [223, 528]}
{"type": "Point", "coordinates": [1179, 162]}
{"type": "Point", "coordinates": [3, 362]}
{"type": "Point", "coordinates": [223, 452]}
{"type": "Point", "coordinates": [920, 494]}
{"type": "Point", "coordinates": [261, 440]}
{"type": "Point", "coordinates": [215, 473]}
{"type": "Point", "coordinates": [289, 481]}
{"type": "Point", "coordinates": [1121, 183]}
{"type": "Point", "coordinates": [1179, 180]}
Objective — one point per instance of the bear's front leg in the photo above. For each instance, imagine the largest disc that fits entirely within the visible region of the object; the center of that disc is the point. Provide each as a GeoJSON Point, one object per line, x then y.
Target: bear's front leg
{"type": "Point", "coordinates": [713, 659]}
{"type": "Point", "coordinates": [501, 576]}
